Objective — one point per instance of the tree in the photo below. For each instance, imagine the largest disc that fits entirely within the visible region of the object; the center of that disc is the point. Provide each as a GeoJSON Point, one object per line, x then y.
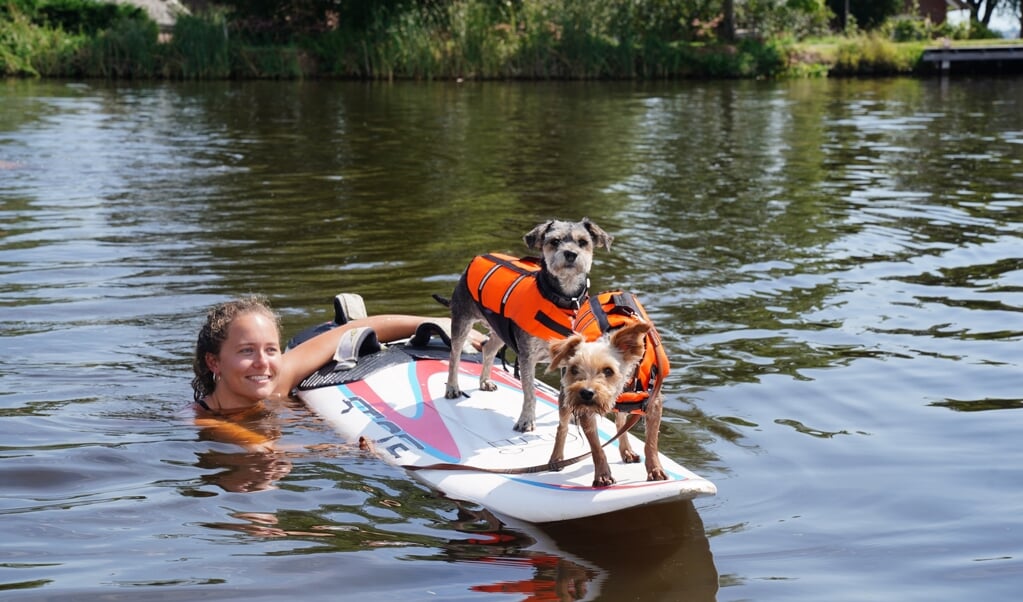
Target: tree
{"type": "Point", "coordinates": [282, 20]}
{"type": "Point", "coordinates": [868, 14]}
{"type": "Point", "coordinates": [728, 24]}
{"type": "Point", "coordinates": [982, 10]}
{"type": "Point", "coordinates": [1015, 8]}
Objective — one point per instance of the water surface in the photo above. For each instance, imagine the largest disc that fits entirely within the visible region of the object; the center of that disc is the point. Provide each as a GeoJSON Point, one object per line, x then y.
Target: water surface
{"type": "Point", "coordinates": [835, 266]}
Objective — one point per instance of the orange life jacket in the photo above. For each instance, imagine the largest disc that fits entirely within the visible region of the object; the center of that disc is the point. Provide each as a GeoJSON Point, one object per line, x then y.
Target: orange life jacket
{"type": "Point", "coordinates": [611, 310]}
{"type": "Point", "coordinates": [513, 296]}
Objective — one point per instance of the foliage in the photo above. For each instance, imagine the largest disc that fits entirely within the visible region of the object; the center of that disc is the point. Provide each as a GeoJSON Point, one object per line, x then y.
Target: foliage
{"type": "Point", "coordinates": [910, 28]}
{"type": "Point", "coordinates": [979, 31]}
{"type": "Point", "coordinates": [74, 16]}
{"type": "Point", "coordinates": [781, 18]}
{"type": "Point", "coordinates": [867, 15]}
{"type": "Point", "coordinates": [983, 10]}
{"type": "Point", "coordinates": [480, 39]}
{"type": "Point", "coordinates": [29, 50]}
{"type": "Point", "coordinates": [905, 28]}
{"type": "Point", "coordinates": [534, 39]}
{"type": "Point", "coordinates": [199, 48]}
{"type": "Point", "coordinates": [127, 50]}
{"type": "Point", "coordinates": [265, 62]}
{"type": "Point", "coordinates": [87, 16]}
{"type": "Point", "coordinates": [873, 54]}
{"type": "Point", "coordinates": [11, 9]}
{"type": "Point", "coordinates": [284, 21]}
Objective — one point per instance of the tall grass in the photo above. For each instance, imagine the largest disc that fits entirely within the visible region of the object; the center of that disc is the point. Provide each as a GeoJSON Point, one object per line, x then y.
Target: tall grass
{"type": "Point", "coordinates": [565, 39]}
{"type": "Point", "coordinates": [267, 62]}
{"type": "Point", "coordinates": [127, 50]}
{"type": "Point", "coordinates": [199, 48]}
{"type": "Point", "coordinates": [471, 39]}
{"type": "Point", "coordinates": [872, 54]}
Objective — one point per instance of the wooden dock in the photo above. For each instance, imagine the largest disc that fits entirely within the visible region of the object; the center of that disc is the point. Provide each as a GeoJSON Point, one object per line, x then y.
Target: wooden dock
{"type": "Point", "coordinates": [976, 58]}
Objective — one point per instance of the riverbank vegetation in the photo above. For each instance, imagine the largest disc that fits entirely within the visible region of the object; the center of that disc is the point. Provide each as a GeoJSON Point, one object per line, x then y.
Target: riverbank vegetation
{"type": "Point", "coordinates": [468, 39]}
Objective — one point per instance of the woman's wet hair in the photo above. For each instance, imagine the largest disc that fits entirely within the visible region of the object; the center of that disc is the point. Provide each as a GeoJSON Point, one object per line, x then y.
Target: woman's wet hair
{"type": "Point", "coordinates": [214, 333]}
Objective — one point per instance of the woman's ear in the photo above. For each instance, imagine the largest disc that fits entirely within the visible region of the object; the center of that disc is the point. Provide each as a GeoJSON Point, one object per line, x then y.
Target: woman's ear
{"type": "Point", "coordinates": [212, 362]}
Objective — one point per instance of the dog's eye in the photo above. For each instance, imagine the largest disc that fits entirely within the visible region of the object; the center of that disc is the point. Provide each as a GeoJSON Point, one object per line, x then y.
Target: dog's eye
{"type": "Point", "coordinates": [583, 242]}
{"type": "Point", "coordinates": [553, 241]}
{"type": "Point", "coordinates": [609, 372]}
{"type": "Point", "coordinates": [573, 370]}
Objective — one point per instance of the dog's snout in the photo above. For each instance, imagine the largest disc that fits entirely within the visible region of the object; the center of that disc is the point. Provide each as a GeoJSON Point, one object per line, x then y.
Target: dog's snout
{"type": "Point", "coordinates": [570, 256]}
{"type": "Point", "coordinates": [586, 395]}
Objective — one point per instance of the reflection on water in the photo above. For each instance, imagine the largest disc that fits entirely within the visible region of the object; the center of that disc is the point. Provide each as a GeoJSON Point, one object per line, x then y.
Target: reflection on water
{"type": "Point", "coordinates": [244, 471]}
{"type": "Point", "coordinates": [662, 549]}
{"type": "Point", "coordinates": [549, 573]}
{"type": "Point", "coordinates": [833, 265]}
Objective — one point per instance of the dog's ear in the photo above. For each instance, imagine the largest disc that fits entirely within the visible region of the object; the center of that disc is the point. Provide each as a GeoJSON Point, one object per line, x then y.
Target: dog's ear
{"type": "Point", "coordinates": [631, 340]}
{"type": "Point", "coordinates": [562, 350]}
{"type": "Point", "coordinates": [600, 238]}
{"type": "Point", "coordinates": [534, 238]}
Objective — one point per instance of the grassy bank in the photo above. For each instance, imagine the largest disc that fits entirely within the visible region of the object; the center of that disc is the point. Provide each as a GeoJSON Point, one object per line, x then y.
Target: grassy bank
{"type": "Point", "coordinates": [467, 39]}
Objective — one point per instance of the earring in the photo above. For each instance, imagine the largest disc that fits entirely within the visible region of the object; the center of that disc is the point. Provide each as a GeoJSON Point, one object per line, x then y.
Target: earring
{"type": "Point", "coordinates": [216, 377]}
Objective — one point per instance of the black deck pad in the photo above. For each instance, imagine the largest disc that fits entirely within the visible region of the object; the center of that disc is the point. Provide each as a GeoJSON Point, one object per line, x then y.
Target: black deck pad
{"type": "Point", "coordinates": [329, 376]}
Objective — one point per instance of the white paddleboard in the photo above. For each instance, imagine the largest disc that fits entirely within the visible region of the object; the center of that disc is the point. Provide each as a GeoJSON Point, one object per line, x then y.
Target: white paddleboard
{"type": "Point", "coordinates": [399, 405]}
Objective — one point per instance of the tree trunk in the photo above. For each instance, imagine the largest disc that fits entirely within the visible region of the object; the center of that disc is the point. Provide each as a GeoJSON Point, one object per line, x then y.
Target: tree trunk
{"type": "Point", "coordinates": [727, 28]}
{"type": "Point", "coordinates": [989, 11]}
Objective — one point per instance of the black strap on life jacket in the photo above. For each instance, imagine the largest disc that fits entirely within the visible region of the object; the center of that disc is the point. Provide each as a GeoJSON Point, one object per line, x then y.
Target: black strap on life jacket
{"type": "Point", "coordinates": [625, 304]}
{"type": "Point", "coordinates": [622, 303]}
{"type": "Point", "coordinates": [546, 287]}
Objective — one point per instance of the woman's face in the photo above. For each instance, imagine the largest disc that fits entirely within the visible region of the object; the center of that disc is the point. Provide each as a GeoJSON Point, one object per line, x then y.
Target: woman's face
{"type": "Point", "coordinates": [249, 359]}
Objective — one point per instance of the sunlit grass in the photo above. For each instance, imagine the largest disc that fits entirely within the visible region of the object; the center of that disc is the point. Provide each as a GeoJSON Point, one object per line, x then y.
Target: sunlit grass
{"type": "Point", "coordinates": [469, 39]}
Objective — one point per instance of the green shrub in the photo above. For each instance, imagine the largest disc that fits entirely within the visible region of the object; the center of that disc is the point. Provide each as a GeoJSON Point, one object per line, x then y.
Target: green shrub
{"type": "Point", "coordinates": [199, 48]}
{"type": "Point", "coordinates": [979, 31]}
{"type": "Point", "coordinates": [28, 50]}
{"type": "Point", "coordinates": [768, 58]}
{"type": "Point", "coordinates": [24, 8]}
{"type": "Point", "coordinates": [906, 28]}
{"type": "Point", "coordinates": [876, 55]}
{"type": "Point", "coordinates": [266, 62]}
{"type": "Point", "coordinates": [85, 16]}
{"type": "Point", "coordinates": [959, 31]}
{"type": "Point", "coordinates": [127, 50]}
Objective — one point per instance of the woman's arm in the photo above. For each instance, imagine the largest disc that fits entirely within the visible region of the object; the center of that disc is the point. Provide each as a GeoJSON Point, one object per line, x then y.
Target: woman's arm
{"type": "Point", "coordinates": [230, 432]}
{"type": "Point", "coordinates": [302, 360]}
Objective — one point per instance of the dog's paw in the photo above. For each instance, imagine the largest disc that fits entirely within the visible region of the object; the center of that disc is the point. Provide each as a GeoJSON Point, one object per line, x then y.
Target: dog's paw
{"type": "Point", "coordinates": [525, 424]}
{"type": "Point", "coordinates": [603, 480]}
{"type": "Point", "coordinates": [630, 457]}
{"type": "Point", "coordinates": [656, 474]}
{"type": "Point", "coordinates": [487, 385]}
{"type": "Point", "coordinates": [452, 392]}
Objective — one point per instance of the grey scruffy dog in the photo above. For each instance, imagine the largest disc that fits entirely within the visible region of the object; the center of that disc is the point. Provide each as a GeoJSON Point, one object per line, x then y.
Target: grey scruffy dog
{"type": "Point", "coordinates": [526, 302]}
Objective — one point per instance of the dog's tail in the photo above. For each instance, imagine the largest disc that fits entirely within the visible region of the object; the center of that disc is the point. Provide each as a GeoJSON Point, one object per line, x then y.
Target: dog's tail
{"type": "Point", "coordinates": [442, 300]}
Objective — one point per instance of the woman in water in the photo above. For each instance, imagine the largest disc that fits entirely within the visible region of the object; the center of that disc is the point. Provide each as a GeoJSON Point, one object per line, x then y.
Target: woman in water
{"type": "Point", "coordinates": [239, 365]}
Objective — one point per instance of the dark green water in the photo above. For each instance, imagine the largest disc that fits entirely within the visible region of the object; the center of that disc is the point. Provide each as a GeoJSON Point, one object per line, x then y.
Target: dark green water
{"type": "Point", "coordinates": [836, 267]}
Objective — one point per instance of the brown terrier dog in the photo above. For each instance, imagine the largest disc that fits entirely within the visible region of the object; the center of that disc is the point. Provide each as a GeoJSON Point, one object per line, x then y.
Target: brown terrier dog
{"type": "Point", "coordinates": [594, 376]}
